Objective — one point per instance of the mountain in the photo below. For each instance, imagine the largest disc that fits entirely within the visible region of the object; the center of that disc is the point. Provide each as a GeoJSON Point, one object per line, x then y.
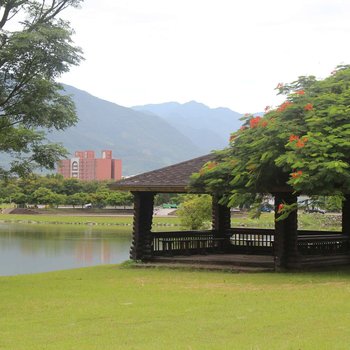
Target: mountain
{"type": "Point", "coordinates": [143, 141]}
{"type": "Point", "coordinates": [208, 128]}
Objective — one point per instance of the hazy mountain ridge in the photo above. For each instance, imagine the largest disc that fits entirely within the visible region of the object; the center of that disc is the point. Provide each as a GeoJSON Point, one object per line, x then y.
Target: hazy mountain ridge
{"type": "Point", "coordinates": [147, 137]}
{"type": "Point", "coordinates": [143, 141]}
{"type": "Point", "coordinates": [208, 128]}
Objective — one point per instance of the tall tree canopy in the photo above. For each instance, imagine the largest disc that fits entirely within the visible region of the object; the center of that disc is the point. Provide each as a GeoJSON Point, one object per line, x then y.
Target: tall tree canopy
{"type": "Point", "coordinates": [35, 49]}
{"type": "Point", "coordinates": [302, 144]}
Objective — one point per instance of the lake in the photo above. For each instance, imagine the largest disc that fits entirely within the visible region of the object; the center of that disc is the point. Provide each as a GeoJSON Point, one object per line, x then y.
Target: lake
{"type": "Point", "coordinates": [32, 248]}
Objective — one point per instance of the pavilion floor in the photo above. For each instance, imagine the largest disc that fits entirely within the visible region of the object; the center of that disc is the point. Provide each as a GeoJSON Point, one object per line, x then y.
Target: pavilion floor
{"type": "Point", "coordinates": [232, 262]}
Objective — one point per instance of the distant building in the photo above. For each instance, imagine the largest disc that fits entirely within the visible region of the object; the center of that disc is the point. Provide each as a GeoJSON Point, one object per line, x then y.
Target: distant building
{"type": "Point", "coordinates": [85, 166]}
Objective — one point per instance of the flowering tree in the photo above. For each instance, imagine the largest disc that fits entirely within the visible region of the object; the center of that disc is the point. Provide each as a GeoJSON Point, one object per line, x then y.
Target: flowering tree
{"type": "Point", "coordinates": [302, 145]}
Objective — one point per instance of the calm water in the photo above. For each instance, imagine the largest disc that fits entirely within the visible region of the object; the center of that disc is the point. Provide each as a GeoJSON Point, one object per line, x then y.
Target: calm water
{"type": "Point", "coordinates": [31, 248]}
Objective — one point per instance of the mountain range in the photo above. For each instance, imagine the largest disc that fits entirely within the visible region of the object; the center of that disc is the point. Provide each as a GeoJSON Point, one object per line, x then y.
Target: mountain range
{"type": "Point", "coordinates": [146, 137]}
{"type": "Point", "coordinates": [207, 128]}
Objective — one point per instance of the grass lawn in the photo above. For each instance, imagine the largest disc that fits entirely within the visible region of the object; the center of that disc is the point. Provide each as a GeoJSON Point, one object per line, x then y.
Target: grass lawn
{"type": "Point", "coordinates": [110, 307]}
{"type": "Point", "coordinates": [306, 221]}
{"type": "Point", "coordinates": [71, 219]}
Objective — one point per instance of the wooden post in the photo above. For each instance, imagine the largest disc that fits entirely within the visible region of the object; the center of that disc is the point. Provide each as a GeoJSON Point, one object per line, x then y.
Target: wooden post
{"type": "Point", "coordinates": [221, 222]}
{"type": "Point", "coordinates": [286, 234]}
{"type": "Point", "coordinates": [346, 215]}
{"type": "Point", "coordinates": [141, 248]}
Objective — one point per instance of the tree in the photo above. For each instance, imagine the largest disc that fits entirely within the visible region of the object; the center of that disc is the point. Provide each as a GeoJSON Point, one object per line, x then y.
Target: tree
{"type": "Point", "coordinates": [9, 192]}
{"type": "Point", "coordinates": [99, 199]}
{"type": "Point", "coordinates": [71, 186]}
{"type": "Point", "coordinates": [20, 199]}
{"type": "Point", "coordinates": [79, 198]}
{"type": "Point", "coordinates": [32, 57]}
{"type": "Point", "coordinates": [302, 145]}
{"type": "Point", "coordinates": [42, 196]}
{"type": "Point", "coordinates": [195, 211]}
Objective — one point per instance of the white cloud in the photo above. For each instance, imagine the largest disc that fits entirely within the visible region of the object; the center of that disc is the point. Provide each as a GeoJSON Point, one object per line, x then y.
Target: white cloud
{"type": "Point", "coordinates": [223, 53]}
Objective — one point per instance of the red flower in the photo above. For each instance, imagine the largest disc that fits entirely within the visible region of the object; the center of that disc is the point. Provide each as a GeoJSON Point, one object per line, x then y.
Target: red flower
{"type": "Point", "coordinates": [211, 165]}
{"type": "Point", "coordinates": [254, 122]}
{"type": "Point", "coordinates": [300, 92]}
{"type": "Point", "coordinates": [296, 174]}
{"type": "Point", "coordinates": [280, 208]}
{"type": "Point", "coordinates": [309, 107]}
{"type": "Point", "coordinates": [300, 144]}
{"type": "Point", "coordinates": [293, 138]}
{"type": "Point", "coordinates": [264, 123]}
{"type": "Point", "coordinates": [283, 106]}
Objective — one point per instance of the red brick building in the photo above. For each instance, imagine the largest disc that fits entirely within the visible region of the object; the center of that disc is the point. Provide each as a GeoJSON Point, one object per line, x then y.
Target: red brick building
{"type": "Point", "coordinates": [85, 166]}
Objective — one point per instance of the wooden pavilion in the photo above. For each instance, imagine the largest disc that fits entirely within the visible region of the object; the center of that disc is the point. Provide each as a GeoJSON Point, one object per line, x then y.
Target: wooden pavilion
{"type": "Point", "coordinates": [279, 249]}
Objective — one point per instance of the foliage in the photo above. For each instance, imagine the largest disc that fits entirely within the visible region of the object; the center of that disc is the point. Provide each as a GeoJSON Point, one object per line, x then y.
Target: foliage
{"type": "Point", "coordinates": [328, 203]}
{"type": "Point", "coordinates": [302, 146]}
{"type": "Point", "coordinates": [195, 211]}
{"type": "Point", "coordinates": [172, 198]}
{"type": "Point", "coordinates": [55, 190]}
{"type": "Point", "coordinates": [32, 57]}
{"type": "Point", "coordinates": [119, 198]}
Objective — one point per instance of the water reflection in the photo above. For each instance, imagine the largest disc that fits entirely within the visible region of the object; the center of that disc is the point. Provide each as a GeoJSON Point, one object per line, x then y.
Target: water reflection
{"type": "Point", "coordinates": [30, 248]}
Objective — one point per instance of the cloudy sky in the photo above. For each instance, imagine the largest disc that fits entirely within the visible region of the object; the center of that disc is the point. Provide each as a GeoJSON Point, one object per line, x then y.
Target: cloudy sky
{"type": "Point", "coordinates": [229, 53]}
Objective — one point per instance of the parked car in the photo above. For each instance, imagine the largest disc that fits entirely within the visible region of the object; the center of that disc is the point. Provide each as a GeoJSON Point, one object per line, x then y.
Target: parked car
{"type": "Point", "coordinates": [169, 206]}
{"type": "Point", "coordinates": [266, 208]}
{"type": "Point", "coordinates": [315, 210]}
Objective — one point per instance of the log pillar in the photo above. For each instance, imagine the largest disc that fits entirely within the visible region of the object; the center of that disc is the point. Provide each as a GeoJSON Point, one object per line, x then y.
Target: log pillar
{"type": "Point", "coordinates": [221, 222]}
{"type": "Point", "coordinates": [141, 248]}
{"type": "Point", "coordinates": [346, 215]}
{"type": "Point", "coordinates": [286, 234]}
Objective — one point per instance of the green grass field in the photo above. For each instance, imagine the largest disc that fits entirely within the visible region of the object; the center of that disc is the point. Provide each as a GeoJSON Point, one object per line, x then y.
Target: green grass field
{"type": "Point", "coordinates": [94, 220]}
{"type": "Point", "coordinates": [306, 221]}
{"type": "Point", "coordinates": [110, 307]}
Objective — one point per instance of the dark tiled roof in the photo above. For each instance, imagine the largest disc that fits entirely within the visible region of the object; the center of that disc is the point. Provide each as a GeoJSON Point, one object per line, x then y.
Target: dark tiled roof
{"type": "Point", "coordinates": [174, 178]}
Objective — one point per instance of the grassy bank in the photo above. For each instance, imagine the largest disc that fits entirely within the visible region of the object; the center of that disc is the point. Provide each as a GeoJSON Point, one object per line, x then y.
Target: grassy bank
{"type": "Point", "coordinates": [306, 221]}
{"type": "Point", "coordinates": [110, 307]}
{"type": "Point", "coordinates": [84, 220]}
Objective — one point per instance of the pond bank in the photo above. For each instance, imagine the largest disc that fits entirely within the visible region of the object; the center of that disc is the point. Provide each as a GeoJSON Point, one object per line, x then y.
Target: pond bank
{"type": "Point", "coordinates": [314, 221]}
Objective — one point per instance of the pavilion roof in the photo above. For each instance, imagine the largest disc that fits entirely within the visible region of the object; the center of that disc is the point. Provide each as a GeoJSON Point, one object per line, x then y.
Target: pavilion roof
{"type": "Point", "coordinates": [171, 179]}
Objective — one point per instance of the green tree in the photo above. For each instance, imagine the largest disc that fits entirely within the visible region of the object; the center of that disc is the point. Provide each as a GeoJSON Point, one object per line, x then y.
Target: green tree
{"type": "Point", "coordinates": [90, 186]}
{"type": "Point", "coordinates": [32, 57]}
{"type": "Point", "coordinates": [42, 196]}
{"type": "Point", "coordinates": [71, 186]}
{"type": "Point", "coordinates": [115, 198]}
{"type": "Point", "coordinates": [57, 199]}
{"type": "Point", "coordinates": [99, 199]}
{"type": "Point", "coordinates": [195, 211]}
{"type": "Point", "coordinates": [9, 191]}
{"type": "Point", "coordinates": [302, 145]}
{"type": "Point", "coordinates": [79, 198]}
{"type": "Point", "coordinates": [20, 199]}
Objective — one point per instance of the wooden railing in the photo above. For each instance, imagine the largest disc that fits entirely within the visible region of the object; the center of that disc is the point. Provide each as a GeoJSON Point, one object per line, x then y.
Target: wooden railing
{"type": "Point", "coordinates": [250, 240]}
{"type": "Point", "coordinates": [325, 243]}
{"type": "Point", "coordinates": [186, 242]}
{"type": "Point", "coordinates": [245, 241]}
